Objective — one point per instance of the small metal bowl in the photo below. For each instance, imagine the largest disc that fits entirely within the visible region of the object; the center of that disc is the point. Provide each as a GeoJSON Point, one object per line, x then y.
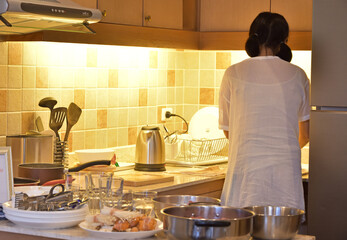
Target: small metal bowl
{"type": "Point", "coordinates": [271, 222]}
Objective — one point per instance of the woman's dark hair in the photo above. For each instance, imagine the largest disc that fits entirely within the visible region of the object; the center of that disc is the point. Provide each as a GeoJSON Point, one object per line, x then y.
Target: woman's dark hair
{"type": "Point", "coordinates": [285, 52]}
{"type": "Point", "coordinates": [268, 29]}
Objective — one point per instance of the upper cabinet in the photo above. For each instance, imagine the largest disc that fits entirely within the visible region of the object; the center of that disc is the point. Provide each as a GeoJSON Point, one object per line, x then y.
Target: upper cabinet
{"type": "Point", "coordinates": [297, 12]}
{"type": "Point", "coordinates": [230, 15]}
{"type": "Point", "coordinates": [87, 3]}
{"type": "Point", "coordinates": [148, 13]}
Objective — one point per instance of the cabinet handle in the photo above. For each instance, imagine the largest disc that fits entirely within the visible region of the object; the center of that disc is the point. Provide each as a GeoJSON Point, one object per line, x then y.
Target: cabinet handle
{"type": "Point", "coordinates": [148, 18]}
{"type": "Point", "coordinates": [104, 13]}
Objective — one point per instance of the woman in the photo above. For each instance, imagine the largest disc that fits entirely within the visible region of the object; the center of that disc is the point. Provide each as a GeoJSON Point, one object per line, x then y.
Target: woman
{"type": "Point", "coordinates": [264, 112]}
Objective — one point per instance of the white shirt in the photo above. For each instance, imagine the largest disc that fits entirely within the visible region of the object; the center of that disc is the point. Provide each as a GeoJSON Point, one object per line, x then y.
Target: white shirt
{"type": "Point", "coordinates": [261, 101]}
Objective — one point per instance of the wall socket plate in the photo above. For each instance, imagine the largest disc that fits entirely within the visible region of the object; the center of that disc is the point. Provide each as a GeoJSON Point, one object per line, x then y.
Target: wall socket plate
{"type": "Point", "coordinates": [163, 111]}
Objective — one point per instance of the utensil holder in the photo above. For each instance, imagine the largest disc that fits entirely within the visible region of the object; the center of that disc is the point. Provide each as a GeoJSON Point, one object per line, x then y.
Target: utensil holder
{"type": "Point", "coordinates": [61, 149]}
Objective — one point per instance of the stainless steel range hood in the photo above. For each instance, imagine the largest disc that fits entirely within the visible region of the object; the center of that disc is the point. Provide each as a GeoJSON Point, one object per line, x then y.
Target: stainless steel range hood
{"type": "Point", "coordinates": [27, 16]}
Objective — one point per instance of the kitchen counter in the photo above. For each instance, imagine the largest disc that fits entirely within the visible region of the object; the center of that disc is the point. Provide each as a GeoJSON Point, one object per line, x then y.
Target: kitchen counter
{"type": "Point", "coordinates": [8, 230]}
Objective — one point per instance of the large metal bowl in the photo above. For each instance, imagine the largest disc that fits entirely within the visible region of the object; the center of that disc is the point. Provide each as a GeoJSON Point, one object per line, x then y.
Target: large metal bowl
{"type": "Point", "coordinates": [271, 222]}
{"type": "Point", "coordinates": [207, 222]}
{"type": "Point", "coordinates": [180, 200]}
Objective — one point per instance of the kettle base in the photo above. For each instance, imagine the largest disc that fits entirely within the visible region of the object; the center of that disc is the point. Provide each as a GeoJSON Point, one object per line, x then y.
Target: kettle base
{"type": "Point", "coordinates": [150, 167]}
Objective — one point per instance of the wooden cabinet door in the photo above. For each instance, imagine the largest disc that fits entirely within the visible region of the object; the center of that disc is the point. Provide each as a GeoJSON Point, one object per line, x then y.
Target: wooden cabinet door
{"type": "Point", "coordinates": [230, 15]}
{"type": "Point", "coordinates": [127, 12]}
{"type": "Point", "coordinates": [86, 3]}
{"type": "Point", "coordinates": [163, 13]}
{"type": "Point", "coordinates": [297, 12]}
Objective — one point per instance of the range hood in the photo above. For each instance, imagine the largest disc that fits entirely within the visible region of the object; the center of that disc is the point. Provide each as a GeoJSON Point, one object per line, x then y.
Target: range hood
{"type": "Point", "coordinates": [27, 16]}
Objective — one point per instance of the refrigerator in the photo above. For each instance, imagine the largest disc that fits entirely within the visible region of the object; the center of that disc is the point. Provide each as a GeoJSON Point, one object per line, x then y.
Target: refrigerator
{"type": "Point", "coordinates": [327, 188]}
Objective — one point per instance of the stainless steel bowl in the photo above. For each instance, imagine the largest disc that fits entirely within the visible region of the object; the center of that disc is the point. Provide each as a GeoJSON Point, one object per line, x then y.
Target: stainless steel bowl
{"type": "Point", "coordinates": [271, 222]}
{"type": "Point", "coordinates": [207, 222]}
{"type": "Point", "coordinates": [180, 200]}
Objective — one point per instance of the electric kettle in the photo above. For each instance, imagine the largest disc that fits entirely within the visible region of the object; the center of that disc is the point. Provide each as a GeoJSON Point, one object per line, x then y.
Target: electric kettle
{"type": "Point", "coordinates": [150, 150]}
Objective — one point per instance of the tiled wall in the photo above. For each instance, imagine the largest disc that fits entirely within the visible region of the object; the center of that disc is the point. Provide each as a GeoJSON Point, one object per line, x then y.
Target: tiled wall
{"type": "Point", "coordinates": [119, 89]}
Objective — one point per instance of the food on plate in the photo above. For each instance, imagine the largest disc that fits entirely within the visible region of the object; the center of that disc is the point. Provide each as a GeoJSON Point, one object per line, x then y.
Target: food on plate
{"type": "Point", "coordinates": [115, 220]}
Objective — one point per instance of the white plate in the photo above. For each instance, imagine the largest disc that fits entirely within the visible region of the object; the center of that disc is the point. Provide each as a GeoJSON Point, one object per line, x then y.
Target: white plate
{"type": "Point", "coordinates": [204, 124]}
{"type": "Point", "coordinates": [43, 223]}
{"type": "Point", "coordinates": [8, 208]}
{"type": "Point", "coordinates": [122, 235]}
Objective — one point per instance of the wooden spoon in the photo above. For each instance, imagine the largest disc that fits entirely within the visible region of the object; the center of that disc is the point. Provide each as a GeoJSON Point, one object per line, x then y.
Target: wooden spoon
{"type": "Point", "coordinates": [73, 114]}
{"type": "Point", "coordinates": [57, 119]}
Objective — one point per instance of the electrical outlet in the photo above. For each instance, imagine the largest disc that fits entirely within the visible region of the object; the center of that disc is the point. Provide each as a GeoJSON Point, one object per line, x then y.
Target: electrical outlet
{"type": "Point", "coordinates": [163, 111]}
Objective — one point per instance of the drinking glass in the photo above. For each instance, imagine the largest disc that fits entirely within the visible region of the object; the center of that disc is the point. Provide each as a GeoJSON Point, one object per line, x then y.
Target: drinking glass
{"type": "Point", "coordinates": [142, 202]}
{"type": "Point", "coordinates": [99, 187]}
{"type": "Point", "coordinates": [77, 183]}
{"type": "Point", "coordinates": [114, 195]}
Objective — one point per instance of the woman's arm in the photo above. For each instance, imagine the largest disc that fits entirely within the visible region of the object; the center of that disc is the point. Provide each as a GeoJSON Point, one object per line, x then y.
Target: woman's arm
{"type": "Point", "coordinates": [304, 133]}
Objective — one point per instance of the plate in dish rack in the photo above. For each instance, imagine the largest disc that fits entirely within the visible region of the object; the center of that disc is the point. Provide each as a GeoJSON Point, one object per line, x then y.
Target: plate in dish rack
{"type": "Point", "coordinates": [121, 235]}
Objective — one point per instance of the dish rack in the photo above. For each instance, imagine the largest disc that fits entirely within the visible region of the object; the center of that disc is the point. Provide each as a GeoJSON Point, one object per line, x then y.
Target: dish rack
{"type": "Point", "coordinates": [199, 152]}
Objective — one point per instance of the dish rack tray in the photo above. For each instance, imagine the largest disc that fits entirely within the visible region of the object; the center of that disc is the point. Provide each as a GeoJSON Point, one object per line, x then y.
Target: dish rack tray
{"type": "Point", "coordinates": [201, 152]}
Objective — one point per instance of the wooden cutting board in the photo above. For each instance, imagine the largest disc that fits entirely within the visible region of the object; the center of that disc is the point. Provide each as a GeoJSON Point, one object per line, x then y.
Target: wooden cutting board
{"type": "Point", "coordinates": [142, 179]}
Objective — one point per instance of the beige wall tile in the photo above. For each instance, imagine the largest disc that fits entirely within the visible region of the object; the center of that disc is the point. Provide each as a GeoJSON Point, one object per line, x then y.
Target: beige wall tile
{"type": "Point", "coordinates": [15, 77]}
{"type": "Point", "coordinates": [112, 138]}
{"type": "Point", "coordinates": [132, 135]}
{"type": "Point", "coordinates": [223, 60]}
{"type": "Point", "coordinates": [143, 78]}
{"type": "Point", "coordinates": [80, 124]}
{"type": "Point", "coordinates": [15, 54]}
{"type": "Point", "coordinates": [162, 78]}
{"type": "Point", "coordinates": [122, 136]}
{"type": "Point", "coordinates": [123, 80]}
{"type": "Point", "coordinates": [101, 138]}
{"type": "Point", "coordinates": [171, 62]}
{"type": "Point", "coordinates": [133, 97]}
{"type": "Point", "coordinates": [3, 124]}
{"type": "Point", "coordinates": [3, 53]}
{"type": "Point", "coordinates": [42, 77]}
{"type": "Point", "coordinates": [123, 117]}
{"type": "Point", "coordinates": [189, 111]}
{"type": "Point", "coordinates": [191, 95]}
{"type": "Point", "coordinates": [219, 77]}
{"type": "Point", "coordinates": [102, 98]}
{"type": "Point", "coordinates": [123, 98]}
{"type": "Point", "coordinates": [79, 78]}
{"type": "Point", "coordinates": [112, 118]}
{"type": "Point", "coordinates": [14, 123]}
{"type": "Point", "coordinates": [179, 76]}
{"type": "Point", "coordinates": [134, 78]}
{"type": "Point", "coordinates": [92, 57]}
{"type": "Point", "coordinates": [39, 94]}
{"type": "Point", "coordinates": [66, 77]}
{"type": "Point", "coordinates": [112, 78]}
{"type": "Point", "coordinates": [170, 95]}
{"type": "Point", "coordinates": [171, 78]}
{"type": "Point", "coordinates": [103, 75]}
{"type": "Point", "coordinates": [207, 96]}
{"type": "Point", "coordinates": [162, 59]}
{"type": "Point", "coordinates": [79, 97]}
{"type": "Point", "coordinates": [152, 78]}
{"type": "Point", "coordinates": [29, 103]}
{"type": "Point", "coordinates": [90, 139]}
{"type": "Point", "coordinates": [162, 96]}
{"type": "Point", "coordinates": [191, 60]}
{"type": "Point", "coordinates": [179, 95]}
{"type": "Point", "coordinates": [29, 76]}
{"type": "Point", "coordinates": [113, 97]}
{"type": "Point", "coordinates": [152, 115]}
{"type": "Point", "coordinates": [67, 96]}
{"type": "Point", "coordinates": [207, 60]}
{"type": "Point", "coordinates": [153, 59]}
{"type": "Point", "coordinates": [143, 116]}
{"type": "Point", "coordinates": [143, 97]}
{"type": "Point", "coordinates": [152, 96]}
{"type": "Point", "coordinates": [133, 116]}
{"type": "Point", "coordinates": [29, 53]}
{"type": "Point", "coordinates": [90, 119]}
{"type": "Point", "coordinates": [102, 118]}
{"type": "Point", "coordinates": [54, 77]}
{"type": "Point", "coordinates": [90, 99]}
{"type": "Point", "coordinates": [216, 96]}
{"type": "Point", "coordinates": [14, 100]}
{"type": "Point", "coordinates": [3, 76]}
{"type": "Point", "coordinates": [91, 77]}
{"type": "Point", "coordinates": [78, 138]}
{"type": "Point", "coordinates": [207, 78]}
{"type": "Point", "coordinates": [180, 60]}
{"type": "Point", "coordinates": [28, 120]}
{"type": "Point", "coordinates": [191, 78]}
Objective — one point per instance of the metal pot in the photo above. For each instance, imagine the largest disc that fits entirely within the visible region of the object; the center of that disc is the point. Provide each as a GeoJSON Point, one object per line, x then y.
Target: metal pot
{"type": "Point", "coordinates": [207, 222]}
{"type": "Point", "coordinates": [18, 181]}
{"type": "Point", "coordinates": [272, 222]}
{"type": "Point", "coordinates": [180, 200]}
{"type": "Point", "coordinates": [50, 171]}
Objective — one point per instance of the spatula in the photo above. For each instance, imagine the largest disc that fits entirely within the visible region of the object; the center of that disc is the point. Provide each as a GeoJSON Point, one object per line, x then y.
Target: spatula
{"type": "Point", "coordinates": [57, 119]}
{"type": "Point", "coordinates": [73, 114]}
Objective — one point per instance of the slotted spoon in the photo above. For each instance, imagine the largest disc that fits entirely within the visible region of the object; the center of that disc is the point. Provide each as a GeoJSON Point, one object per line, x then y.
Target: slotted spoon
{"type": "Point", "coordinates": [57, 119]}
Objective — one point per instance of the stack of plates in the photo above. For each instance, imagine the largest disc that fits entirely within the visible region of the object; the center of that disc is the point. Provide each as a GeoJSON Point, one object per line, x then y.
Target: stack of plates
{"type": "Point", "coordinates": [43, 219]}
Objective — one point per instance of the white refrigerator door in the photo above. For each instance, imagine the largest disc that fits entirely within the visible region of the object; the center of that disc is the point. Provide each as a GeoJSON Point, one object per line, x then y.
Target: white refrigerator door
{"type": "Point", "coordinates": [327, 187]}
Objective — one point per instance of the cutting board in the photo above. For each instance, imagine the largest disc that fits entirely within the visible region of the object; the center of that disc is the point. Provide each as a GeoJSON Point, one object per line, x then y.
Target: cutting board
{"type": "Point", "coordinates": [142, 179]}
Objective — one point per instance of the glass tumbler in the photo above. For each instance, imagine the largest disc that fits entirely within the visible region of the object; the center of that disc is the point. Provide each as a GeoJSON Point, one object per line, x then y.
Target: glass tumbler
{"type": "Point", "coordinates": [142, 202]}
{"type": "Point", "coordinates": [99, 187]}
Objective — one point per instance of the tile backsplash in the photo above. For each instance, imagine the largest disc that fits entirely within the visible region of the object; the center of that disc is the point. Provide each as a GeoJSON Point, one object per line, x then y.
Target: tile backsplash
{"type": "Point", "coordinates": [119, 89]}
